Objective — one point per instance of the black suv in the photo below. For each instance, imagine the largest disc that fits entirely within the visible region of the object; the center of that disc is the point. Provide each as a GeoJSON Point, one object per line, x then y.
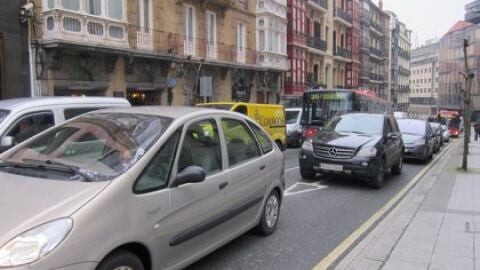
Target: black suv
{"type": "Point", "coordinates": [357, 144]}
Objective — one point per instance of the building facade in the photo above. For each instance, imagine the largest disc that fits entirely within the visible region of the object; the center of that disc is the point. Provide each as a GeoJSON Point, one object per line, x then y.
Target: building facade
{"type": "Point", "coordinates": [202, 51]}
{"type": "Point", "coordinates": [400, 44]}
{"type": "Point", "coordinates": [451, 67]}
{"type": "Point", "coordinates": [374, 44]}
{"type": "Point", "coordinates": [14, 60]}
{"type": "Point", "coordinates": [320, 41]}
{"type": "Point", "coordinates": [424, 67]}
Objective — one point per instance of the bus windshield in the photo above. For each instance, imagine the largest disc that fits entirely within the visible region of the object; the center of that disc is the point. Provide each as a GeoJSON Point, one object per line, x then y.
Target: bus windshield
{"type": "Point", "coordinates": [320, 107]}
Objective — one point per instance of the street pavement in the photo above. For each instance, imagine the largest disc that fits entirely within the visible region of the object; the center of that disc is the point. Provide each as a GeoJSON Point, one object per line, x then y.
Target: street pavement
{"type": "Point", "coordinates": [435, 227]}
{"type": "Point", "coordinates": [316, 216]}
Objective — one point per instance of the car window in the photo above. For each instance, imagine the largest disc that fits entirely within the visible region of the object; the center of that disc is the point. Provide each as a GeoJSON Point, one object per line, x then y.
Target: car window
{"type": "Point", "coordinates": [30, 125]}
{"type": "Point", "coordinates": [241, 144]}
{"type": "Point", "coordinates": [263, 139]}
{"type": "Point", "coordinates": [155, 176]}
{"type": "Point", "coordinates": [73, 112]}
{"type": "Point", "coordinates": [201, 147]}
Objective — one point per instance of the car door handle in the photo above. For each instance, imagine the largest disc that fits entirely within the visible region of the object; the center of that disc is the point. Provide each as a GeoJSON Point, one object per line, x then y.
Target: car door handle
{"type": "Point", "coordinates": [223, 185]}
{"type": "Point", "coordinates": [262, 167]}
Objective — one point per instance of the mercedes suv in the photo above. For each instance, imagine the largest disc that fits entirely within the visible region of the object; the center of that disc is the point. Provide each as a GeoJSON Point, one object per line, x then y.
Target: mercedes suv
{"type": "Point", "coordinates": [358, 144]}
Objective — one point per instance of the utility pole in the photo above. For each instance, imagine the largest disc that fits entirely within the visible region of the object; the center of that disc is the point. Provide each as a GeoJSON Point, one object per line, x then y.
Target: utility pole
{"type": "Point", "coordinates": [467, 101]}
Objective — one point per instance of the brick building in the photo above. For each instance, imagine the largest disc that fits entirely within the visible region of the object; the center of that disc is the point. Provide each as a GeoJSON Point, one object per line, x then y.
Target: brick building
{"type": "Point", "coordinates": [177, 52]}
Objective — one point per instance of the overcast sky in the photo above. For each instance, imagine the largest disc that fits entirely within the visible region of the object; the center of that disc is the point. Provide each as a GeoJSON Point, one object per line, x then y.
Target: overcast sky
{"type": "Point", "coordinates": [427, 18]}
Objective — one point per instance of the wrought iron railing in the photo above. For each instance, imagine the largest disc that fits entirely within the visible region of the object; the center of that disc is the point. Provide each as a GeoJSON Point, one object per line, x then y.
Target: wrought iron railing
{"type": "Point", "coordinates": [317, 43]}
{"type": "Point", "coordinates": [343, 52]}
{"type": "Point", "coordinates": [322, 3]}
{"type": "Point", "coordinates": [341, 13]}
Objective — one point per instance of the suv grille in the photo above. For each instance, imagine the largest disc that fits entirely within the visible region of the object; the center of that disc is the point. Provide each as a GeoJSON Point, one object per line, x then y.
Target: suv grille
{"type": "Point", "coordinates": [333, 152]}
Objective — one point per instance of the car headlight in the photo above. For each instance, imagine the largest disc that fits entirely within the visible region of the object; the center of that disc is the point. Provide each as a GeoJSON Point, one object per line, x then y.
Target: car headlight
{"type": "Point", "coordinates": [34, 244]}
{"type": "Point", "coordinates": [367, 152]}
{"type": "Point", "coordinates": [419, 142]}
{"type": "Point", "coordinates": [307, 146]}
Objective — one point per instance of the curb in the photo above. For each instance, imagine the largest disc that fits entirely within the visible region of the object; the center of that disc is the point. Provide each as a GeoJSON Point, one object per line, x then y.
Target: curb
{"type": "Point", "coordinates": [354, 238]}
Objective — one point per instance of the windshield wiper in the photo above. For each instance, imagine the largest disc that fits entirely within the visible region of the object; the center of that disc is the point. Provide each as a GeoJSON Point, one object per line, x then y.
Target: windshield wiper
{"type": "Point", "coordinates": [57, 166]}
{"type": "Point", "coordinates": [351, 131]}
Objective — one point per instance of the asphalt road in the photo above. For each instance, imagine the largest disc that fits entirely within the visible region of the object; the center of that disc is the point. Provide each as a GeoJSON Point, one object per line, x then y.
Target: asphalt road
{"type": "Point", "coordinates": [316, 216]}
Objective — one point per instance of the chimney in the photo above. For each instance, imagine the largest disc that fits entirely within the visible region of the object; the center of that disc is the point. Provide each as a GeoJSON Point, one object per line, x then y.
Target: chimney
{"type": "Point", "coordinates": [380, 4]}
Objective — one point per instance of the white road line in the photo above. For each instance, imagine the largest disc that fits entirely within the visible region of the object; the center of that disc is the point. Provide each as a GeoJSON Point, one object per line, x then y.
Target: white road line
{"type": "Point", "coordinates": [291, 169]}
{"type": "Point", "coordinates": [313, 187]}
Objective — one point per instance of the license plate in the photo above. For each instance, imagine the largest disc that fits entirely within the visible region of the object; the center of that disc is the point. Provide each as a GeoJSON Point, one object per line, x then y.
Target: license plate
{"type": "Point", "coordinates": [331, 167]}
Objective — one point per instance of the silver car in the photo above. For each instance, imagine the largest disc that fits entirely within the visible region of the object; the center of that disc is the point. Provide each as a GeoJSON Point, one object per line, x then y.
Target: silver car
{"type": "Point", "coordinates": [140, 188]}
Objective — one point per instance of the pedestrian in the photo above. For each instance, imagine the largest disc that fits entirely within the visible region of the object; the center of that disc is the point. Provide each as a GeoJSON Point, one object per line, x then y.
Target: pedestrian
{"type": "Point", "coordinates": [476, 128]}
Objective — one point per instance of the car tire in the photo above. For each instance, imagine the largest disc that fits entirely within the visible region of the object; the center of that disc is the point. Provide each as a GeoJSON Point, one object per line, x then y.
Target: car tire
{"type": "Point", "coordinates": [378, 180]}
{"type": "Point", "coordinates": [397, 169]}
{"type": "Point", "coordinates": [307, 174]}
{"type": "Point", "coordinates": [121, 259]}
{"type": "Point", "coordinates": [270, 215]}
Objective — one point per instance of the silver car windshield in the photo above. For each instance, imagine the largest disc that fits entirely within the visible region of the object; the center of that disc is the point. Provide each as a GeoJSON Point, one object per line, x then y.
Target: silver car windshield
{"type": "Point", "coordinates": [93, 147]}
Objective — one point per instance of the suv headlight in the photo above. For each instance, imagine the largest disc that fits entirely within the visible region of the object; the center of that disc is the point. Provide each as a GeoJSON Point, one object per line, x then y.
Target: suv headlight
{"type": "Point", "coordinates": [307, 146]}
{"type": "Point", "coordinates": [367, 152]}
{"type": "Point", "coordinates": [34, 244]}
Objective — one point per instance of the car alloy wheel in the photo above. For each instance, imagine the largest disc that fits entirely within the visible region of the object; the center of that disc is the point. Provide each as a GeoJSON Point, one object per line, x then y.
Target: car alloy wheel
{"type": "Point", "coordinates": [271, 211]}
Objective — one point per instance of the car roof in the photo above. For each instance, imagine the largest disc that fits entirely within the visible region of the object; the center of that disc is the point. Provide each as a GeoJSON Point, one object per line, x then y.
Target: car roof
{"type": "Point", "coordinates": [169, 111]}
{"type": "Point", "coordinates": [412, 119]}
{"type": "Point", "coordinates": [367, 114]}
{"type": "Point", "coordinates": [293, 109]}
{"type": "Point", "coordinates": [20, 103]}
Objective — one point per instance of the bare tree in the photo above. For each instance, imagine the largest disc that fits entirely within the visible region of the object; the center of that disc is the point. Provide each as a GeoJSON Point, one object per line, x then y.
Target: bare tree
{"type": "Point", "coordinates": [467, 101]}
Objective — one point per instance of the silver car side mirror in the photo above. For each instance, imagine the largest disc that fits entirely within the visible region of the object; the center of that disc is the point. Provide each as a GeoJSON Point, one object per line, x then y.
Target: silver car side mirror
{"type": "Point", "coordinates": [6, 141]}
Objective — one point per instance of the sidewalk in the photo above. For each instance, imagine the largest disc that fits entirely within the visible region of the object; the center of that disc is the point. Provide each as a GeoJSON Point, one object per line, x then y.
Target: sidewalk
{"type": "Point", "coordinates": [436, 226]}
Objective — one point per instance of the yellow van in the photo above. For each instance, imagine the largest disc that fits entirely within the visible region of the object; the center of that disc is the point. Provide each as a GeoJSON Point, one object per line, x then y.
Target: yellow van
{"type": "Point", "coordinates": [270, 117]}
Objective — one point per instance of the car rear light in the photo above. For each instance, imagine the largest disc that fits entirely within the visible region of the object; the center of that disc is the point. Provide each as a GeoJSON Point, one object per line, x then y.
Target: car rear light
{"type": "Point", "coordinates": [310, 132]}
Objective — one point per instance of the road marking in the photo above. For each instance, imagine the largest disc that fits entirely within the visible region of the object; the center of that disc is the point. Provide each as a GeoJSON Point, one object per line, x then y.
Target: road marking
{"type": "Point", "coordinates": [291, 169]}
{"type": "Point", "coordinates": [336, 253]}
{"type": "Point", "coordinates": [308, 187]}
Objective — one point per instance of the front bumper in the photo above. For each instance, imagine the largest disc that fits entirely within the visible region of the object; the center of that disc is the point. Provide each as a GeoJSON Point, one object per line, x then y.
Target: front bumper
{"type": "Point", "coordinates": [362, 167]}
{"type": "Point", "coordinates": [415, 152]}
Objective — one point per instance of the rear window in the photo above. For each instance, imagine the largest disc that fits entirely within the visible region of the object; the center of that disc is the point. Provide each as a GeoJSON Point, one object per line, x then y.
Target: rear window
{"type": "Point", "coordinates": [413, 127]}
{"type": "Point", "coordinates": [226, 107]}
{"type": "Point", "coordinates": [74, 112]}
{"type": "Point", "coordinates": [291, 116]}
{"type": "Point", "coordinates": [3, 114]}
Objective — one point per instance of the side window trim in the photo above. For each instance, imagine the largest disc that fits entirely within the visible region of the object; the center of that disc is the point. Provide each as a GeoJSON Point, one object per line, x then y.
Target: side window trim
{"type": "Point", "coordinates": [250, 125]}
{"type": "Point", "coordinates": [178, 132]}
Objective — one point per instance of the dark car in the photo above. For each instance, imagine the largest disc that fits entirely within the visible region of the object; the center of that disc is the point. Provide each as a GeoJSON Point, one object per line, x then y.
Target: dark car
{"type": "Point", "coordinates": [358, 144]}
{"type": "Point", "coordinates": [418, 138]}
{"type": "Point", "coordinates": [437, 134]}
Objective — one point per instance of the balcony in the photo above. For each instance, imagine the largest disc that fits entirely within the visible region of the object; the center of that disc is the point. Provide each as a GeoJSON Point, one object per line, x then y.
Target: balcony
{"type": "Point", "coordinates": [80, 27]}
{"type": "Point", "coordinates": [403, 89]}
{"type": "Point", "coordinates": [376, 53]}
{"type": "Point", "coordinates": [323, 4]}
{"type": "Point", "coordinates": [404, 71]}
{"type": "Point", "coordinates": [165, 43]}
{"type": "Point", "coordinates": [342, 52]}
{"type": "Point", "coordinates": [376, 77]}
{"type": "Point", "coordinates": [403, 53]}
{"type": "Point", "coordinates": [344, 16]}
{"type": "Point", "coordinates": [317, 43]}
{"type": "Point", "coordinates": [377, 27]}
{"type": "Point", "coordinates": [272, 60]}
{"type": "Point", "coordinates": [220, 3]}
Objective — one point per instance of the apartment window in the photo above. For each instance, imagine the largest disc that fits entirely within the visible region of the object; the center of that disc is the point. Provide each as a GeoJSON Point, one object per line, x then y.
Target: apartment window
{"type": "Point", "coordinates": [71, 4]}
{"type": "Point", "coordinates": [241, 42]}
{"type": "Point", "coordinates": [261, 40]}
{"type": "Point", "coordinates": [51, 4]}
{"type": "Point", "coordinates": [115, 9]}
{"type": "Point", "coordinates": [211, 33]}
{"type": "Point", "coordinates": [190, 25]}
{"type": "Point", "coordinates": [93, 7]}
{"type": "Point", "coordinates": [145, 15]}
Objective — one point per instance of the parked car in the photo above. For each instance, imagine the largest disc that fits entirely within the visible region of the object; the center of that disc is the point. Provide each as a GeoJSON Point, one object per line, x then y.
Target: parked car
{"type": "Point", "coordinates": [359, 144]}
{"type": "Point", "coordinates": [437, 134]}
{"type": "Point", "coordinates": [293, 117]}
{"type": "Point", "coordinates": [418, 138]}
{"type": "Point", "coordinates": [270, 116]}
{"type": "Point", "coordinates": [22, 118]}
{"type": "Point", "coordinates": [445, 133]}
{"type": "Point", "coordinates": [139, 188]}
